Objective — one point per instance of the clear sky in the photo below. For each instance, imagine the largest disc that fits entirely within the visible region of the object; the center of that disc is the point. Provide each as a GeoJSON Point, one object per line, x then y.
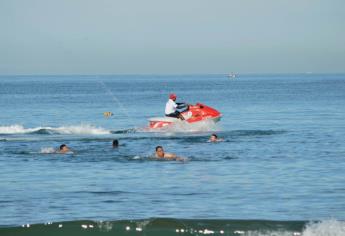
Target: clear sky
{"type": "Point", "coordinates": [169, 37]}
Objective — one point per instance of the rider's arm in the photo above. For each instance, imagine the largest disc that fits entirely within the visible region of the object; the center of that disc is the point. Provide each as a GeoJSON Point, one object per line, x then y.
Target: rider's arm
{"type": "Point", "coordinates": [181, 105]}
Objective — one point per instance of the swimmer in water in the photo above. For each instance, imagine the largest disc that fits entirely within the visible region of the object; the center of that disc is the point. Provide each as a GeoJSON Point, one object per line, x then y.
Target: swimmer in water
{"type": "Point", "coordinates": [64, 149]}
{"type": "Point", "coordinates": [214, 138]}
{"type": "Point", "coordinates": [115, 143]}
{"type": "Point", "coordinates": [160, 154]}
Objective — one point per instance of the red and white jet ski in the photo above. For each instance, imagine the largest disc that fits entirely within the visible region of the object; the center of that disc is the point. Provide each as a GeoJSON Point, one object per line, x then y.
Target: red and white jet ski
{"type": "Point", "coordinates": [195, 113]}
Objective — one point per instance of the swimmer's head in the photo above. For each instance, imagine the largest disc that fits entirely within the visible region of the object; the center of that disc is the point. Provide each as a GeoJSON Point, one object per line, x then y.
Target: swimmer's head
{"type": "Point", "coordinates": [64, 148]}
{"type": "Point", "coordinates": [115, 143]}
{"type": "Point", "coordinates": [160, 151]}
{"type": "Point", "coordinates": [213, 138]}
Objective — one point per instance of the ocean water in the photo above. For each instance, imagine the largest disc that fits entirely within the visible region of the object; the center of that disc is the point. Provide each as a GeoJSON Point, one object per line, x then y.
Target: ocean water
{"type": "Point", "coordinates": [279, 171]}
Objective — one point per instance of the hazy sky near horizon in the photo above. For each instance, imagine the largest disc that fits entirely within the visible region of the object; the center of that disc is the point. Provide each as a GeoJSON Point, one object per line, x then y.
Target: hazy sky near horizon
{"type": "Point", "coordinates": [158, 36]}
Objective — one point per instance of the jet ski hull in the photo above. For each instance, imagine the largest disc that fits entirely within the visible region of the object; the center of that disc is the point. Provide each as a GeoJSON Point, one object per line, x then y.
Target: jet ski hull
{"type": "Point", "coordinates": [195, 113]}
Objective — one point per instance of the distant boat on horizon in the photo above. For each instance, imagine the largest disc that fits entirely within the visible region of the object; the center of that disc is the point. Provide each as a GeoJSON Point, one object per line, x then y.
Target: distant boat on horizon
{"type": "Point", "coordinates": [232, 75]}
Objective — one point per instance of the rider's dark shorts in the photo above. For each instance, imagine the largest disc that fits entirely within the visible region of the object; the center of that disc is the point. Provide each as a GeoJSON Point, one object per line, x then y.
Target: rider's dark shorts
{"type": "Point", "coordinates": [175, 114]}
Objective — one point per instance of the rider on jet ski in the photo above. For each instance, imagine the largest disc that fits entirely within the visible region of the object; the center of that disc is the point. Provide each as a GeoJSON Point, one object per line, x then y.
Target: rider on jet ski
{"type": "Point", "coordinates": [172, 106]}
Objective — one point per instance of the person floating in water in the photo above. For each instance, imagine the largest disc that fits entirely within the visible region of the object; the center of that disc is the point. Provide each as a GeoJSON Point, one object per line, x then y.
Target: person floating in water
{"type": "Point", "coordinates": [160, 154]}
{"type": "Point", "coordinates": [171, 107]}
{"type": "Point", "coordinates": [115, 143]}
{"type": "Point", "coordinates": [64, 149]}
{"type": "Point", "coordinates": [214, 138]}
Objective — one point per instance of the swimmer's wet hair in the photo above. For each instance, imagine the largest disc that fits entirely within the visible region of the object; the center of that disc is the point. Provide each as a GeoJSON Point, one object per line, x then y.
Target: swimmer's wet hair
{"type": "Point", "coordinates": [115, 143]}
{"type": "Point", "coordinates": [62, 146]}
{"type": "Point", "coordinates": [158, 147]}
{"type": "Point", "coordinates": [214, 135]}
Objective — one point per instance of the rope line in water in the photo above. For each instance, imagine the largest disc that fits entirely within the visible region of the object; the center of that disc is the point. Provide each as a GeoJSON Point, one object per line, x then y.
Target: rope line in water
{"type": "Point", "coordinates": [116, 100]}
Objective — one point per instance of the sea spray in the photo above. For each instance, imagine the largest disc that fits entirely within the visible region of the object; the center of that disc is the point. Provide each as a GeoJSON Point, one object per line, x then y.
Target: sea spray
{"type": "Point", "coordinates": [325, 228]}
{"type": "Point", "coordinates": [47, 150]}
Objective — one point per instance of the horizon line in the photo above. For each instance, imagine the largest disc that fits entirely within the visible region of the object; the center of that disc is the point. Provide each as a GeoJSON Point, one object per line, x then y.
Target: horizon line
{"type": "Point", "coordinates": [177, 74]}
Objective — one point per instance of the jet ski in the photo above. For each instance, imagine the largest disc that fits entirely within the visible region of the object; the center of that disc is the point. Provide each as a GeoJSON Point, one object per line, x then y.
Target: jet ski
{"type": "Point", "coordinates": [194, 113]}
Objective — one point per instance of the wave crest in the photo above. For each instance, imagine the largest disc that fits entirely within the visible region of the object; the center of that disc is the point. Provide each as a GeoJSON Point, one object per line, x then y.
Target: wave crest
{"type": "Point", "coordinates": [163, 226]}
{"type": "Point", "coordinates": [325, 228]}
{"type": "Point", "coordinates": [83, 129]}
{"type": "Point", "coordinates": [47, 150]}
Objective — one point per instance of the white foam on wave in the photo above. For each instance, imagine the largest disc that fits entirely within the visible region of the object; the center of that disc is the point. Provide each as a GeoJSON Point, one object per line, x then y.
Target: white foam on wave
{"type": "Point", "coordinates": [17, 129]}
{"type": "Point", "coordinates": [47, 150]}
{"type": "Point", "coordinates": [266, 233]}
{"type": "Point", "coordinates": [323, 228]}
{"type": "Point", "coordinates": [82, 129]}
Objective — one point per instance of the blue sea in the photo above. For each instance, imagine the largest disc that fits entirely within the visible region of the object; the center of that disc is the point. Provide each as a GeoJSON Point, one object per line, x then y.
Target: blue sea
{"type": "Point", "coordinates": [279, 171]}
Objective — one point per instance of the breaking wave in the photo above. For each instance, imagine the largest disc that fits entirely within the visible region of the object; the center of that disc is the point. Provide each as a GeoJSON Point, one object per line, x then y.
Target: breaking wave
{"type": "Point", "coordinates": [87, 129]}
{"type": "Point", "coordinates": [73, 129]}
{"type": "Point", "coordinates": [325, 228]}
{"type": "Point", "coordinates": [160, 226]}
{"type": "Point", "coordinates": [47, 150]}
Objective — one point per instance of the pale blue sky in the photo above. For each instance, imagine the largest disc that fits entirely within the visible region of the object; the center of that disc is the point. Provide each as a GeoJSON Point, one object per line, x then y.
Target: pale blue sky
{"type": "Point", "coordinates": [168, 37]}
